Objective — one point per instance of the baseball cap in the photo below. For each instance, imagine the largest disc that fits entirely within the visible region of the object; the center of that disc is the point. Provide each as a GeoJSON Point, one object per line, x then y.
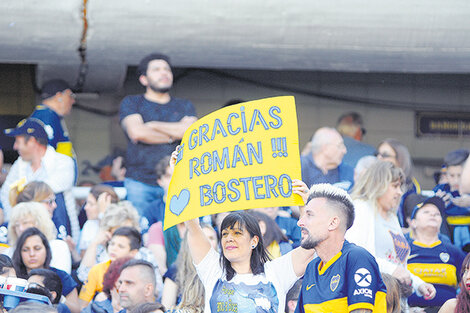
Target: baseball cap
{"type": "Point", "coordinates": [51, 87]}
{"type": "Point", "coordinates": [31, 126]}
{"type": "Point", "coordinates": [437, 201]}
{"type": "Point", "coordinates": [456, 157]}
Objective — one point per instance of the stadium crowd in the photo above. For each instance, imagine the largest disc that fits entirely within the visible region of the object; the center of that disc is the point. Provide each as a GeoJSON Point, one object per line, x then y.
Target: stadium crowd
{"type": "Point", "coordinates": [367, 239]}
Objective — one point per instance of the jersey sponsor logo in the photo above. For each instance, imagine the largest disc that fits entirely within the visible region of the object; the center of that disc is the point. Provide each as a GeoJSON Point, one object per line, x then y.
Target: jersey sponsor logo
{"type": "Point", "coordinates": [363, 277]}
{"type": "Point", "coordinates": [363, 291]}
{"type": "Point", "coordinates": [309, 286]}
{"type": "Point", "coordinates": [444, 257]}
{"type": "Point", "coordinates": [334, 282]}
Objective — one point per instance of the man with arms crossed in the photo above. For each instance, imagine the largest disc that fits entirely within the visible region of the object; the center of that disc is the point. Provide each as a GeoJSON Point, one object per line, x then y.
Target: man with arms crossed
{"type": "Point", "coordinates": [154, 123]}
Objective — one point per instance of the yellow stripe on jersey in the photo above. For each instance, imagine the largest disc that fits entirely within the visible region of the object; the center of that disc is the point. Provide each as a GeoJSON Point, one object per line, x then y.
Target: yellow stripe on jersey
{"type": "Point", "coordinates": [335, 305]}
{"type": "Point", "coordinates": [423, 245]}
{"type": "Point", "coordinates": [65, 147]}
{"type": "Point", "coordinates": [445, 274]}
{"type": "Point", "coordinates": [341, 305]}
{"type": "Point", "coordinates": [458, 220]}
{"type": "Point", "coordinates": [323, 267]}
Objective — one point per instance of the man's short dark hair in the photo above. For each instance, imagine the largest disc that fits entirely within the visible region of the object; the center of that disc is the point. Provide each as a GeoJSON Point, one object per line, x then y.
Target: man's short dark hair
{"type": "Point", "coordinates": [353, 118]}
{"type": "Point", "coordinates": [144, 63]}
{"type": "Point", "coordinates": [337, 197]}
{"type": "Point", "coordinates": [135, 240]}
{"type": "Point", "coordinates": [41, 141]}
{"type": "Point", "coordinates": [51, 281]}
{"type": "Point", "coordinates": [147, 267]}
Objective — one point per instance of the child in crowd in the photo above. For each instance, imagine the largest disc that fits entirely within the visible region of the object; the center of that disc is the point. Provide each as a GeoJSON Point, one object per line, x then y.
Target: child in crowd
{"type": "Point", "coordinates": [99, 198]}
{"type": "Point", "coordinates": [456, 212]}
{"type": "Point", "coordinates": [124, 242]}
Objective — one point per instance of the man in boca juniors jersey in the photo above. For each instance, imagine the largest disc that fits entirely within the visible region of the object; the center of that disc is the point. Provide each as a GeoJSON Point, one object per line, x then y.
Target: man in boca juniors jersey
{"type": "Point", "coordinates": [344, 277]}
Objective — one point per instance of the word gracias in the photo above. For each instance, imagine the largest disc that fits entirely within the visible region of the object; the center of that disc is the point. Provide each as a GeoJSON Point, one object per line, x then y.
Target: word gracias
{"type": "Point", "coordinates": [235, 124]}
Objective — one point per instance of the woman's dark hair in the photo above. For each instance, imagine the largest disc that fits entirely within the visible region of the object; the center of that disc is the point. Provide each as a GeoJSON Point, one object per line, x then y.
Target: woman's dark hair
{"type": "Point", "coordinates": [18, 263]}
{"type": "Point", "coordinates": [259, 256]}
{"type": "Point", "coordinates": [112, 274]}
{"type": "Point", "coordinates": [5, 263]}
{"type": "Point", "coordinates": [273, 231]}
{"type": "Point", "coordinates": [148, 307]}
{"type": "Point", "coordinates": [463, 298]}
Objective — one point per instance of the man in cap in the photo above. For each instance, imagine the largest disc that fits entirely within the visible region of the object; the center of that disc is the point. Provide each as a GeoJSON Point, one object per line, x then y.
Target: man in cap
{"type": "Point", "coordinates": [154, 123]}
{"type": "Point", "coordinates": [38, 161]}
{"type": "Point", "coordinates": [57, 101]}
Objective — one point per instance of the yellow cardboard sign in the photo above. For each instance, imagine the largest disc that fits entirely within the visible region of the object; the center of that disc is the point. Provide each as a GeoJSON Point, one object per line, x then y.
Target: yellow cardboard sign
{"type": "Point", "coordinates": [240, 157]}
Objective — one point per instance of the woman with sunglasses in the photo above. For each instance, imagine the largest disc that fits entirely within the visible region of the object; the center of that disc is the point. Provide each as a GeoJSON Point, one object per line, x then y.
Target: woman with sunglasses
{"type": "Point", "coordinates": [36, 191]}
{"type": "Point", "coordinates": [397, 153]}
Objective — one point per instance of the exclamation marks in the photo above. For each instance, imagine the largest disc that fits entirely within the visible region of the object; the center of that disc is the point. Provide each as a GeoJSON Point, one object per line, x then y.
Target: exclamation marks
{"type": "Point", "coordinates": [279, 147]}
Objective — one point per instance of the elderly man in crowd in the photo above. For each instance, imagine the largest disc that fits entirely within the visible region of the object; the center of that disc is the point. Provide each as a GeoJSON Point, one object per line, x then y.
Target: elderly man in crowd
{"type": "Point", "coordinates": [324, 163]}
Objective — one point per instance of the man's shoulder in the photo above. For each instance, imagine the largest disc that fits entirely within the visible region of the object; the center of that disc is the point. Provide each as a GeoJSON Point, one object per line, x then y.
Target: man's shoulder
{"type": "Point", "coordinates": [51, 154]}
{"type": "Point", "coordinates": [355, 252]}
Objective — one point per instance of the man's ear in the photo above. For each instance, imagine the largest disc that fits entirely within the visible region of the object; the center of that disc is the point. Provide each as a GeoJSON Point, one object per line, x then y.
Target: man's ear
{"type": "Point", "coordinates": [334, 223]}
{"type": "Point", "coordinates": [133, 253]}
{"type": "Point", "coordinates": [149, 291]}
{"type": "Point", "coordinates": [54, 295]}
{"type": "Point", "coordinates": [143, 80]}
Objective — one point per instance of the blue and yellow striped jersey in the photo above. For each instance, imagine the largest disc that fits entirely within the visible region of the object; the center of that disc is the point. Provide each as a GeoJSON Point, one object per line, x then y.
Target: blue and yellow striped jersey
{"type": "Point", "coordinates": [351, 280]}
{"type": "Point", "coordinates": [438, 264]}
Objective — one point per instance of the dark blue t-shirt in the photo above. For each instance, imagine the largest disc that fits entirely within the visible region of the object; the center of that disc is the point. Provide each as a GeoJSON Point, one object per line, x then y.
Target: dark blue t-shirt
{"type": "Point", "coordinates": [68, 284]}
{"type": "Point", "coordinates": [141, 158]}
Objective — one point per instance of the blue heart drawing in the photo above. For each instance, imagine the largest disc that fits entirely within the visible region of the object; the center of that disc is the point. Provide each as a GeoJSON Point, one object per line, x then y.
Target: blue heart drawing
{"type": "Point", "coordinates": [179, 203]}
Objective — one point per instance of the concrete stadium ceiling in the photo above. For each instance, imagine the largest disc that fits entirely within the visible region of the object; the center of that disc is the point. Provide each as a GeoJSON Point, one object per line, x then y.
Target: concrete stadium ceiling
{"type": "Point", "coordinates": [402, 36]}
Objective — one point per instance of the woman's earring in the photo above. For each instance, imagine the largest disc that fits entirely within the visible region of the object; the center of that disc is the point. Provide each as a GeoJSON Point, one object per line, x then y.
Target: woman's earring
{"type": "Point", "coordinates": [253, 246]}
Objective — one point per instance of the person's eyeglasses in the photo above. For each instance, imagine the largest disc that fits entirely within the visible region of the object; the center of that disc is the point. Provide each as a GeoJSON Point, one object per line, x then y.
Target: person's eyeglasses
{"type": "Point", "coordinates": [38, 289]}
{"type": "Point", "coordinates": [49, 202]}
{"type": "Point", "coordinates": [384, 155]}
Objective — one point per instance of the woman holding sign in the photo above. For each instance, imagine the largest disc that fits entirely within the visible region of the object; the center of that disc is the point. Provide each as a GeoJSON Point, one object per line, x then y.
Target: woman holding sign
{"type": "Point", "coordinates": [242, 278]}
{"type": "Point", "coordinates": [245, 279]}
